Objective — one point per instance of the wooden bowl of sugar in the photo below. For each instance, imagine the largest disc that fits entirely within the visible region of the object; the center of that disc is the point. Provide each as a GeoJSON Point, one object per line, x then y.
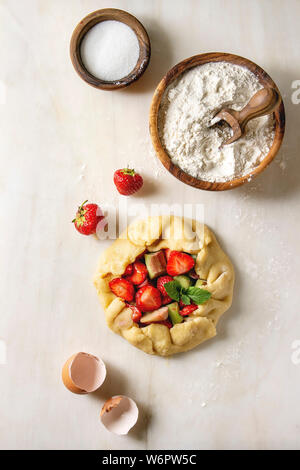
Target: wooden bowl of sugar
{"type": "Point", "coordinates": [110, 49]}
{"type": "Point", "coordinates": [182, 107]}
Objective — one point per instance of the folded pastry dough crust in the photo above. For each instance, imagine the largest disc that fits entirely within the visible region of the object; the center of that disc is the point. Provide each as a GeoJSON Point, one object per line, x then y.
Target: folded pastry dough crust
{"type": "Point", "coordinates": [212, 264]}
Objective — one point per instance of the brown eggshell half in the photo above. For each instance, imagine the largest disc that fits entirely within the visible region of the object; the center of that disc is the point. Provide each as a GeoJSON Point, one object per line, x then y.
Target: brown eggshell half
{"type": "Point", "coordinates": [119, 414]}
{"type": "Point", "coordinates": [83, 373]}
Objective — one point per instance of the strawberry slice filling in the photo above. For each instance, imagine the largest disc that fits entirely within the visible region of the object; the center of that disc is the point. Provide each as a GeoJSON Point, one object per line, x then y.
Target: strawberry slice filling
{"type": "Point", "coordinates": [139, 273]}
{"type": "Point", "coordinates": [142, 286]}
{"type": "Point", "coordinates": [122, 288]}
{"type": "Point", "coordinates": [148, 298]}
{"type": "Point", "coordinates": [179, 263]}
{"type": "Point", "coordinates": [128, 270]}
{"type": "Point", "coordinates": [188, 309]}
{"type": "Point", "coordinates": [136, 313]}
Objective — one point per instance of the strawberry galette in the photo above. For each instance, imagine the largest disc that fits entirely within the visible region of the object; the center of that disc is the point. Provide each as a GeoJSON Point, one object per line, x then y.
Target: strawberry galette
{"type": "Point", "coordinates": [164, 284]}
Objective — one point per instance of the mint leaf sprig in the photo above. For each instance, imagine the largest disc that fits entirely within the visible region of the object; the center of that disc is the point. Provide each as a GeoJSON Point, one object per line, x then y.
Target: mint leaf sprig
{"type": "Point", "coordinates": [196, 294]}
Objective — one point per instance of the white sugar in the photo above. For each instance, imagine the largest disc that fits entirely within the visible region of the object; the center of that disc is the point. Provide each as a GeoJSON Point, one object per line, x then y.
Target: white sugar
{"type": "Point", "coordinates": [110, 50]}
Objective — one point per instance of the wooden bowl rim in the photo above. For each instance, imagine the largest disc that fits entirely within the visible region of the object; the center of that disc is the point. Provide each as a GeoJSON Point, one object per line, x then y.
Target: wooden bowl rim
{"type": "Point", "coordinates": [102, 15]}
{"type": "Point", "coordinates": [182, 67]}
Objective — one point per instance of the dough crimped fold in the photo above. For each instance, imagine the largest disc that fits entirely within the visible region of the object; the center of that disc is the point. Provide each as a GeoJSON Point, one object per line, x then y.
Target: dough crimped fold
{"type": "Point", "coordinates": [212, 264]}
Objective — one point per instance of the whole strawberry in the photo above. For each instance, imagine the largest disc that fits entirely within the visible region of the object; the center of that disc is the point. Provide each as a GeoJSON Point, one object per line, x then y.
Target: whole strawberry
{"type": "Point", "coordinates": [127, 181]}
{"type": "Point", "coordinates": [87, 218]}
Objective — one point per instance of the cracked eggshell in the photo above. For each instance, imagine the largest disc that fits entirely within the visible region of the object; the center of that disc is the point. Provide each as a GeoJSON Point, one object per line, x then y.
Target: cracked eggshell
{"type": "Point", "coordinates": [83, 373]}
{"type": "Point", "coordinates": [119, 414]}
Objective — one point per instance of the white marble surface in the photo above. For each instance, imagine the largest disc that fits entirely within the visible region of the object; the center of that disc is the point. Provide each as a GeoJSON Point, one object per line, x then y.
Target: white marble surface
{"type": "Point", "coordinates": [240, 390]}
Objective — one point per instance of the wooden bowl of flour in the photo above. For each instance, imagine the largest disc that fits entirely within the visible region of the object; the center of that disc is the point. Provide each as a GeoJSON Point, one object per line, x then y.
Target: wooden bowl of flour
{"type": "Point", "coordinates": [187, 64]}
{"type": "Point", "coordinates": [86, 24]}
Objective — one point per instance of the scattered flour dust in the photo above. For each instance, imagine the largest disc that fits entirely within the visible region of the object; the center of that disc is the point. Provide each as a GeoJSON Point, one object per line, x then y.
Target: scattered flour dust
{"type": "Point", "coordinates": [187, 109]}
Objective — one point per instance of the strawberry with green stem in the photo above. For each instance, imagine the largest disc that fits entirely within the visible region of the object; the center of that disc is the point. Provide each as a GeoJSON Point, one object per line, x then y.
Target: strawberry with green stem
{"type": "Point", "coordinates": [127, 181]}
{"type": "Point", "coordinates": [87, 218]}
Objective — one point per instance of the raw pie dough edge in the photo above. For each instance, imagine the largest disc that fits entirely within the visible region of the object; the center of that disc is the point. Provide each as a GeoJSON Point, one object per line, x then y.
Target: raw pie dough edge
{"type": "Point", "coordinates": [212, 264]}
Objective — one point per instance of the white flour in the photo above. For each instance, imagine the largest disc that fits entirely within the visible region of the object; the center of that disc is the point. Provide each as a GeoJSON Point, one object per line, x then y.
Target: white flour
{"type": "Point", "coordinates": [186, 111]}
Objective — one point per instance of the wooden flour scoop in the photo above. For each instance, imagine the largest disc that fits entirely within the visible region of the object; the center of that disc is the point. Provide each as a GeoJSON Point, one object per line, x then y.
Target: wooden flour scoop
{"type": "Point", "coordinates": [264, 102]}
